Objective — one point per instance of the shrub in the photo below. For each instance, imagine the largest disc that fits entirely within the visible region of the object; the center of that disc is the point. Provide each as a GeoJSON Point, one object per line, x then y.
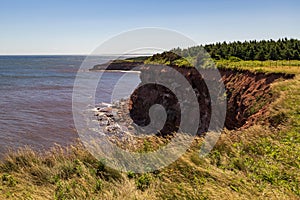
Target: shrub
{"type": "Point", "coordinates": [278, 119]}
{"type": "Point", "coordinates": [130, 174]}
{"type": "Point", "coordinates": [143, 182]}
{"type": "Point", "coordinates": [9, 180]}
{"type": "Point", "coordinates": [107, 173]}
{"type": "Point", "coordinates": [98, 185]}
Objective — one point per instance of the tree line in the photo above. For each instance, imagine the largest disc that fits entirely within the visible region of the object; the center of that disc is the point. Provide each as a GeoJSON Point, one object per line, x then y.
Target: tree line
{"type": "Point", "coordinates": [282, 49]}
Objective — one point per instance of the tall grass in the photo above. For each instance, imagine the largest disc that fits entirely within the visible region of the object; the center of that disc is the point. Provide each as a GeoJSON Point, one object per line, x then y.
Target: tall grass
{"type": "Point", "coordinates": [261, 162]}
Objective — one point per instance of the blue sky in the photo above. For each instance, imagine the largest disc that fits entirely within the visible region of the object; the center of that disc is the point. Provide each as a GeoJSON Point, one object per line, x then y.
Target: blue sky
{"type": "Point", "coordinates": [79, 26]}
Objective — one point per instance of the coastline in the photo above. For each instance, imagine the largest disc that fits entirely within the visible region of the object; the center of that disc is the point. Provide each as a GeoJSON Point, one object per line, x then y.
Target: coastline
{"type": "Point", "coordinates": [71, 171]}
{"type": "Point", "coordinates": [114, 71]}
{"type": "Point", "coordinates": [123, 65]}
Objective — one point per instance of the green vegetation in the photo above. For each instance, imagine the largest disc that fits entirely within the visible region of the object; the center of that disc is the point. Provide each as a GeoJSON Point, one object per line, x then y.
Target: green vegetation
{"type": "Point", "coordinates": [143, 182]}
{"type": "Point", "coordinates": [131, 60]}
{"type": "Point", "coordinates": [235, 56]}
{"type": "Point", "coordinates": [261, 162]}
{"type": "Point", "coordinates": [282, 55]}
{"type": "Point", "coordinates": [279, 66]}
{"type": "Point", "coordinates": [137, 59]}
{"type": "Point", "coordinates": [282, 49]}
{"type": "Point", "coordinates": [168, 58]}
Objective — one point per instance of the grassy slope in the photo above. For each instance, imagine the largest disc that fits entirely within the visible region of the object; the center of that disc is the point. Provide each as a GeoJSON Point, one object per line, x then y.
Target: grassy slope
{"type": "Point", "coordinates": [258, 163]}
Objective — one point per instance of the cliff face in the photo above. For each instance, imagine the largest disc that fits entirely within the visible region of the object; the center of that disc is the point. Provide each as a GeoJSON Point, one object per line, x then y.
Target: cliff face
{"type": "Point", "coordinates": [248, 95]}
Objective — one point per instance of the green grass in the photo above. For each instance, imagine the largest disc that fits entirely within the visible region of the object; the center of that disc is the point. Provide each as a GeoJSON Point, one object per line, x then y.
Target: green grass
{"type": "Point", "coordinates": [261, 162]}
{"type": "Point", "coordinates": [137, 59]}
{"type": "Point", "coordinates": [268, 66]}
{"type": "Point", "coordinates": [281, 66]}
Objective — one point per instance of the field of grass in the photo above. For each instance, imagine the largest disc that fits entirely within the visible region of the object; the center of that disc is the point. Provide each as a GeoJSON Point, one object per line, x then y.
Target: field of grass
{"type": "Point", "coordinates": [261, 162]}
{"type": "Point", "coordinates": [269, 66]}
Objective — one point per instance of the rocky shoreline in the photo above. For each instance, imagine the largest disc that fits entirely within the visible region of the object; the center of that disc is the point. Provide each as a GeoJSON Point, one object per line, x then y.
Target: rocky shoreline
{"type": "Point", "coordinates": [114, 118]}
{"type": "Point", "coordinates": [118, 127]}
{"type": "Point", "coordinates": [116, 124]}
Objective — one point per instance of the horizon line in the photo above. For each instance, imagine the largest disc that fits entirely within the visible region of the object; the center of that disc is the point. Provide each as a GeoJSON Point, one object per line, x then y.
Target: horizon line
{"type": "Point", "coordinates": [108, 54]}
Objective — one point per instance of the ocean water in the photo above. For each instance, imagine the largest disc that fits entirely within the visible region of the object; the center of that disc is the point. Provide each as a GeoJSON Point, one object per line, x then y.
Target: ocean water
{"type": "Point", "coordinates": [36, 98]}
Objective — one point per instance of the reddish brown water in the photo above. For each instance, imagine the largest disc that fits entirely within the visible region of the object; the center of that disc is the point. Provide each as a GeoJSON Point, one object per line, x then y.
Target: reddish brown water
{"type": "Point", "coordinates": [36, 99]}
